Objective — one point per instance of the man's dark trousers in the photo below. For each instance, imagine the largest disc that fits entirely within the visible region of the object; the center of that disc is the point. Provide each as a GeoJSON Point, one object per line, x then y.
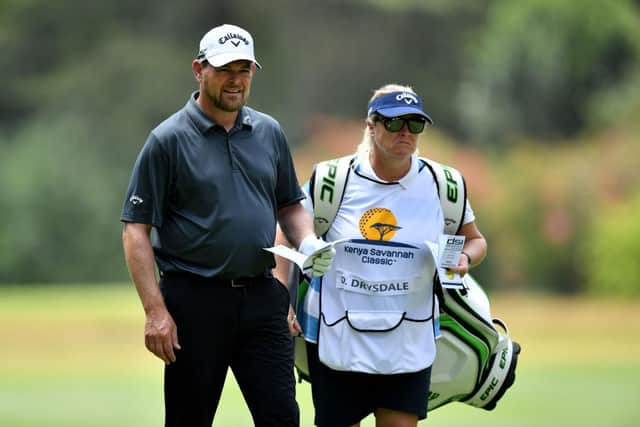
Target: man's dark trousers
{"type": "Point", "coordinates": [221, 324]}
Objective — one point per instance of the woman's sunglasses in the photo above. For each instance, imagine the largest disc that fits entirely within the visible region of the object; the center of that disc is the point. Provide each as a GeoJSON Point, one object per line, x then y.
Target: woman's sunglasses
{"type": "Point", "coordinates": [395, 124]}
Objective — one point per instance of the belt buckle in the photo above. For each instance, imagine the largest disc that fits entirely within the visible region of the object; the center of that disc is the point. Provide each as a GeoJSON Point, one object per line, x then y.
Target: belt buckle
{"type": "Point", "coordinates": [237, 284]}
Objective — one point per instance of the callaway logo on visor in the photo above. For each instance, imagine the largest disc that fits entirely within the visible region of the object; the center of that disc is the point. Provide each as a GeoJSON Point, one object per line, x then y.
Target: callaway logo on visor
{"type": "Point", "coordinates": [407, 97]}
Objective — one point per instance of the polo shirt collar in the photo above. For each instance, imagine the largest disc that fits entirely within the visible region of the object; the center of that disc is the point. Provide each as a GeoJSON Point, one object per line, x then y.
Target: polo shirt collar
{"type": "Point", "coordinates": [362, 165]}
{"type": "Point", "coordinates": [204, 123]}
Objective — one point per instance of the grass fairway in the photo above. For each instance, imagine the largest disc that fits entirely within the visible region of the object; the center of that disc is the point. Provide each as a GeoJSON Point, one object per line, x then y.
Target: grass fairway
{"type": "Point", "coordinates": [74, 356]}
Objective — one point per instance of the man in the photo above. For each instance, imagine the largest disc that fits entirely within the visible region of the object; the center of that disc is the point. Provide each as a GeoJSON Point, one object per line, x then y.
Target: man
{"type": "Point", "coordinates": [204, 197]}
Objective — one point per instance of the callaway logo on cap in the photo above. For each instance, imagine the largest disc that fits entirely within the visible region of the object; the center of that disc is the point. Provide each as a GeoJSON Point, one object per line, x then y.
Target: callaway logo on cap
{"type": "Point", "coordinates": [226, 43]}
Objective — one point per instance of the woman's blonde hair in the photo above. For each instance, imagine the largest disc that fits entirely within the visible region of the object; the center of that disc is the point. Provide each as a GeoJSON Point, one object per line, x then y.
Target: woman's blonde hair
{"type": "Point", "coordinates": [365, 143]}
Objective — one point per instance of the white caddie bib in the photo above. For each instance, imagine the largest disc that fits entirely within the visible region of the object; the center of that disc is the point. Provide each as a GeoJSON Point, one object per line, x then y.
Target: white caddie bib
{"type": "Point", "coordinates": [377, 313]}
{"type": "Point", "coordinates": [377, 301]}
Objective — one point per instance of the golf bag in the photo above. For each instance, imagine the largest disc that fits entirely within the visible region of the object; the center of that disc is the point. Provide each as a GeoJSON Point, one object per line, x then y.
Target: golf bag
{"type": "Point", "coordinates": [475, 360]}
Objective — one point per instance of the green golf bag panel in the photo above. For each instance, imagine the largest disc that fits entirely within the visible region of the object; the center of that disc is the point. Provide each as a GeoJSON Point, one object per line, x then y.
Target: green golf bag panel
{"type": "Point", "coordinates": [326, 187]}
{"type": "Point", "coordinates": [475, 356]}
{"type": "Point", "coordinates": [475, 361]}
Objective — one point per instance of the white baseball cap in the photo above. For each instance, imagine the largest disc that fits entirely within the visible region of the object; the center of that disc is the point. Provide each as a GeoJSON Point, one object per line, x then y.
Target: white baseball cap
{"type": "Point", "coordinates": [226, 43]}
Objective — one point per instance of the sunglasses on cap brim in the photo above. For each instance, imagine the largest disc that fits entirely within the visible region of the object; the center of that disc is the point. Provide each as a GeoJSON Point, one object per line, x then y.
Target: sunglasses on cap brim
{"type": "Point", "coordinates": [395, 124]}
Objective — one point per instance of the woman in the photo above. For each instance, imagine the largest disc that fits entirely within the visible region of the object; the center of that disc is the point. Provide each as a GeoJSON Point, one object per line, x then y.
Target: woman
{"type": "Point", "coordinates": [371, 342]}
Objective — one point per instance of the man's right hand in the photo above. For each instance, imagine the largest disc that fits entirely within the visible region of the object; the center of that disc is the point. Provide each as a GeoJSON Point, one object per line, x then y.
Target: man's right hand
{"type": "Point", "coordinates": [161, 335]}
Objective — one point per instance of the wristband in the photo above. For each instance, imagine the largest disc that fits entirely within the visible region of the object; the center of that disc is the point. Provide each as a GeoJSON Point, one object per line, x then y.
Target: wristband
{"type": "Point", "coordinates": [468, 257]}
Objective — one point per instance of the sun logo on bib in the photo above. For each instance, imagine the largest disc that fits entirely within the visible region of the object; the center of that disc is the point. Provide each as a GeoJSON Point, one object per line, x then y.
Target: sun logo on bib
{"type": "Point", "coordinates": [378, 224]}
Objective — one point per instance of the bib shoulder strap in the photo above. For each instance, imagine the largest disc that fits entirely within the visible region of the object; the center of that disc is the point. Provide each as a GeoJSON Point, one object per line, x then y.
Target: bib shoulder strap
{"type": "Point", "coordinates": [452, 190]}
{"type": "Point", "coordinates": [326, 188]}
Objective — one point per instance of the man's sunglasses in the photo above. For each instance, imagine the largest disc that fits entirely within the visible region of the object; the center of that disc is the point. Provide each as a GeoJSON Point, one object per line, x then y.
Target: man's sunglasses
{"type": "Point", "coordinates": [395, 124]}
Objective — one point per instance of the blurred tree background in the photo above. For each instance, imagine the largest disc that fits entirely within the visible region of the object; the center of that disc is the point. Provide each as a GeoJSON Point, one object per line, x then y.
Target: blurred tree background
{"type": "Point", "coordinates": [536, 102]}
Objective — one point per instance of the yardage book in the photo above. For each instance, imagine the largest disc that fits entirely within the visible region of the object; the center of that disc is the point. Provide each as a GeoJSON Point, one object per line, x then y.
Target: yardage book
{"type": "Point", "coordinates": [303, 261]}
{"type": "Point", "coordinates": [446, 254]}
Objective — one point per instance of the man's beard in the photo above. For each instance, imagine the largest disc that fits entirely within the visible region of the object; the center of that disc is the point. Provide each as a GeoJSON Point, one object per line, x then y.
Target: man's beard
{"type": "Point", "coordinates": [224, 105]}
{"type": "Point", "coordinates": [229, 107]}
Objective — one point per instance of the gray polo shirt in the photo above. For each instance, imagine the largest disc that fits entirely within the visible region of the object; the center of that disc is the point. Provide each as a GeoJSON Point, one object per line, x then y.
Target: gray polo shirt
{"type": "Point", "coordinates": [212, 196]}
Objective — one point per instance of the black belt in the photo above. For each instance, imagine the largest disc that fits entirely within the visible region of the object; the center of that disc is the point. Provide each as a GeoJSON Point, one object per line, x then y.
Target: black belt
{"type": "Point", "coordinates": [238, 282]}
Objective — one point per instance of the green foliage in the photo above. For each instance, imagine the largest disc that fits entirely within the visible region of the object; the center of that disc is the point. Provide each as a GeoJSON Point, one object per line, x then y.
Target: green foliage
{"type": "Point", "coordinates": [611, 250]}
{"type": "Point", "coordinates": [540, 208]}
{"type": "Point", "coordinates": [65, 170]}
{"type": "Point", "coordinates": [61, 207]}
{"type": "Point", "coordinates": [541, 65]}
{"type": "Point", "coordinates": [434, 6]}
{"type": "Point", "coordinates": [534, 225]}
{"type": "Point", "coordinates": [618, 105]}
{"type": "Point", "coordinates": [86, 81]}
